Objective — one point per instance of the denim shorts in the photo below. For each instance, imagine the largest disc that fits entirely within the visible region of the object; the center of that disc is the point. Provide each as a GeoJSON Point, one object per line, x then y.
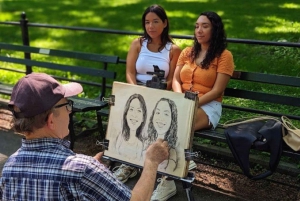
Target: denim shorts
{"type": "Point", "coordinates": [213, 110]}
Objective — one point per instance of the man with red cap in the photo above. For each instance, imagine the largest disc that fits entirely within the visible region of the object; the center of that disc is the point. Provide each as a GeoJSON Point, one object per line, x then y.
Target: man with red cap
{"type": "Point", "coordinates": [44, 168]}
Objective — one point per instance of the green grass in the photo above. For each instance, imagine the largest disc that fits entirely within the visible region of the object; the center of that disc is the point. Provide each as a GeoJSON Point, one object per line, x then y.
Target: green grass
{"type": "Point", "coordinates": [257, 19]}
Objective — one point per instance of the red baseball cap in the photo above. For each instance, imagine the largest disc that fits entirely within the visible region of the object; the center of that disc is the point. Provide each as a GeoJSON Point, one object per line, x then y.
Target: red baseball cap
{"type": "Point", "coordinates": [36, 93]}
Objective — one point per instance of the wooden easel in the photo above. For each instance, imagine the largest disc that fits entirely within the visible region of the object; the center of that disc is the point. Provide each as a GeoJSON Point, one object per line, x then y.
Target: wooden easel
{"type": "Point", "coordinates": [158, 82]}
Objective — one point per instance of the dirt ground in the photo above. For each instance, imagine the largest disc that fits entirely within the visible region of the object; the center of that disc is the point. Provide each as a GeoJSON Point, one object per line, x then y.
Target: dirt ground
{"type": "Point", "coordinates": [277, 187]}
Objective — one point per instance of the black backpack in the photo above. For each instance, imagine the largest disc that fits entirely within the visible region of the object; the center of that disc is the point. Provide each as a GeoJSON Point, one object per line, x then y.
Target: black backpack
{"type": "Point", "coordinates": [261, 135]}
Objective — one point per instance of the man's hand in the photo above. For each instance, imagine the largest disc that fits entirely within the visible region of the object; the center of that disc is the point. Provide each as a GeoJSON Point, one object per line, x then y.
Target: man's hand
{"type": "Point", "coordinates": [98, 156]}
{"type": "Point", "coordinates": [158, 151]}
{"type": "Point", "coordinates": [155, 154]}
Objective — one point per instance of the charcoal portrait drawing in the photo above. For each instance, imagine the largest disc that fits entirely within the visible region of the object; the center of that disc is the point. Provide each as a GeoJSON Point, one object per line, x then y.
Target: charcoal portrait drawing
{"type": "Point", "coordinates": [129, 142]}
{"type": "Point", "coordinates": [163, 124]}
{"type": "Point", "coordinates": [139, 116]}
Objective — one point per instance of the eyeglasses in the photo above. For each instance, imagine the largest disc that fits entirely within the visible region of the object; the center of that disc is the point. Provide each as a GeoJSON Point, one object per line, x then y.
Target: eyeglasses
{"type": "Point", "coordinates": [69, 105]}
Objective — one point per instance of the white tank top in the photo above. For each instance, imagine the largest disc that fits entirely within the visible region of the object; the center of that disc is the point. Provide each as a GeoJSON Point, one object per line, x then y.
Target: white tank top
{"type": "Point", "coordinates": [147, 59]}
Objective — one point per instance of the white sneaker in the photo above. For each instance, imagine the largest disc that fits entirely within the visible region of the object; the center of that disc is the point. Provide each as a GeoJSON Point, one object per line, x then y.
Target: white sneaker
{"type": "Point", "coordinates": [192, 165]}
{"type": "Point", "coordinates": [124, 172]}
{"type": "Point", "coordinates": [164, 190]}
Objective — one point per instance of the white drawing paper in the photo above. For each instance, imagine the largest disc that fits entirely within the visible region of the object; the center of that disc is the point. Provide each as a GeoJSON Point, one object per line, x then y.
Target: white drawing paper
{"type": "Point", "coordinates": [140, 115]}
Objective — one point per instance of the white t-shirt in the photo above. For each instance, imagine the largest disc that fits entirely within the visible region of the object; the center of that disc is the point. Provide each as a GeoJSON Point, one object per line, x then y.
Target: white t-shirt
{"type": "Point", "coordinates": [147, 59]}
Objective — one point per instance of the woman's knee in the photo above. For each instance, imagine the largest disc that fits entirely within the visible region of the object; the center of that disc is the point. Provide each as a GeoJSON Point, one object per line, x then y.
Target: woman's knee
{"type": "Point", "coordinates": [201, 120]}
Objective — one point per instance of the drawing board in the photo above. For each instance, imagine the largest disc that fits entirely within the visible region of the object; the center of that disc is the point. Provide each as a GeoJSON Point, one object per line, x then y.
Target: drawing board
{"type": "Point", "coordinates": [139, 115]}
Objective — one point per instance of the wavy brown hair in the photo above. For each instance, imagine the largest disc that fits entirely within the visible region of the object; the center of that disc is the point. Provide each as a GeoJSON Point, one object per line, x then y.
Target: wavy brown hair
{"type": "Point", "coordinates": [171, 134]}
{"type": "Point", "coordinates": [125, 128]}
{"type": "Point", "coordinates": [218, 41]}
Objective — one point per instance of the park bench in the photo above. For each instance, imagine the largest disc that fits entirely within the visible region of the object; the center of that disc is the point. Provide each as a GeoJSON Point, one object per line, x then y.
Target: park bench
{"type": "Point", "coordinates": [253, 94]}
{"type": "Point", "coordinates": [46, 59]}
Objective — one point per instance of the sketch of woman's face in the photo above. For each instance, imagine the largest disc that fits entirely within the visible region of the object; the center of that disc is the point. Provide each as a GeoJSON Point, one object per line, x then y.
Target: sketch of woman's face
{"type": "Point", "coordinates": [134, 115]}
{"type": "Point", "coordinates": [162, 117]}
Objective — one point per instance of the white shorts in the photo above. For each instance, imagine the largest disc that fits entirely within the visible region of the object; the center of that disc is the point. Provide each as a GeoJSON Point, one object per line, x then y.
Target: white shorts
{"type": "Point", "coordinates": [213, 110]}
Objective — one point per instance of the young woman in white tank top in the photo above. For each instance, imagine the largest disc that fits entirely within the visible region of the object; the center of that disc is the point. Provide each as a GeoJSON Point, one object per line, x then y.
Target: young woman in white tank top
{"type": "Point", "coordinates": [155, 47]}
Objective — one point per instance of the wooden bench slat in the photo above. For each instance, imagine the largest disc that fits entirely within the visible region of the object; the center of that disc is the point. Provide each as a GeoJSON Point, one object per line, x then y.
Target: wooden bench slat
{"type": "Point", "coordinates": [267, 78]}
{"type": "Point", "coordinates": [260, 96]}
{"type": "Point", "coordinates": [263, 112]}
{"type": "Point", "coordinates": [5, 89]}
{"type": "Point", "coordinates": [85, 104]}
{"type": "Point", "coordinates": [61, 53]}
{"type": "Point", "coordinates": [70, 68]}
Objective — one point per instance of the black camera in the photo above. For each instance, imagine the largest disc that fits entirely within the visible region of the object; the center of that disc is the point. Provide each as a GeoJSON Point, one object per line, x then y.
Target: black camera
{"type": "Point", "coordinates": [158, 79]}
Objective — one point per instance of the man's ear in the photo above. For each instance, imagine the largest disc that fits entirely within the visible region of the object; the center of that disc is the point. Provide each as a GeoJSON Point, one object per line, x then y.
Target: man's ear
{"type": "Point", "coordinates": [50, 122]}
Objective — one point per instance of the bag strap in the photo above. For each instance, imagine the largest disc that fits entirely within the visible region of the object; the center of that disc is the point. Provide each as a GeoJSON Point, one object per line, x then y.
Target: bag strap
{"type": "Point", "coordinates": [287, 123]}
{"type": "Point", "coordinates": [248, 120]}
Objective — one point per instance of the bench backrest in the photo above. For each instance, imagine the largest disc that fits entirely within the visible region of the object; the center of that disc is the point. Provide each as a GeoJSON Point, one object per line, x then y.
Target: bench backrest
{"type": "Point", "coordinates": [47, 63]}
{"type": "Point", "coordinates": [269, 93]}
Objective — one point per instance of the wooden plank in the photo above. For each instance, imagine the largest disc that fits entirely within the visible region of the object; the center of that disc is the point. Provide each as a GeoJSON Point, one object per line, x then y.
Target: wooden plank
{"type": "Point", "coordinates": [6, 89]}
{"type": "Point", "coordinates": [67, 68]}
{"type": "Point", "coordinates": [260, 96]}
{"type": "Point", "coordinates": [267, 78]}
{"type": "Point", "coordinates": [62, 53]}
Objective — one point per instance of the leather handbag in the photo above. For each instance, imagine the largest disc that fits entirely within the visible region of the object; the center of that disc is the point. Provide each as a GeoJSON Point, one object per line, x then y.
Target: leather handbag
{"type": "Point", "coordinates": [291, 136]}
{"type": "Point", "coordinates": [263, 133]}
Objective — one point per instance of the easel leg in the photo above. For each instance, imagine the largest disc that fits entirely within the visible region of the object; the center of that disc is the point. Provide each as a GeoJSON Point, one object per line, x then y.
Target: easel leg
{"type": "Point", "coordinates": [100, 126]}
{"type": "Point", "coordinates": [187, 186]}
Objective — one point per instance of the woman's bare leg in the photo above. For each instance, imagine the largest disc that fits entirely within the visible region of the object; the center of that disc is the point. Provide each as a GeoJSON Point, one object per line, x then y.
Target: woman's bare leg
{"type": "Point", "coordinates": [201, 120]}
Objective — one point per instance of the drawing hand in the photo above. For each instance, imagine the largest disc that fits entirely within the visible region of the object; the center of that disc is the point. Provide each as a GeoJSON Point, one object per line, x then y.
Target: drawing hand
{"type": "Point", "coordinates": [158, 151]}
{"type": "Point", "coordinates": [98, 157]}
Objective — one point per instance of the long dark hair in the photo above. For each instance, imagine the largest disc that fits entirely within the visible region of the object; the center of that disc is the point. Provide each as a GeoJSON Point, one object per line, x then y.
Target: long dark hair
{"type": "Point", "coordinates": [160, 12]}
{"type": "Point", "coordinates": [125, 128]}
{"type": "Point", "coordinates": [217, 41]}
{"type": "Point", "coordinates": [171, 135]}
